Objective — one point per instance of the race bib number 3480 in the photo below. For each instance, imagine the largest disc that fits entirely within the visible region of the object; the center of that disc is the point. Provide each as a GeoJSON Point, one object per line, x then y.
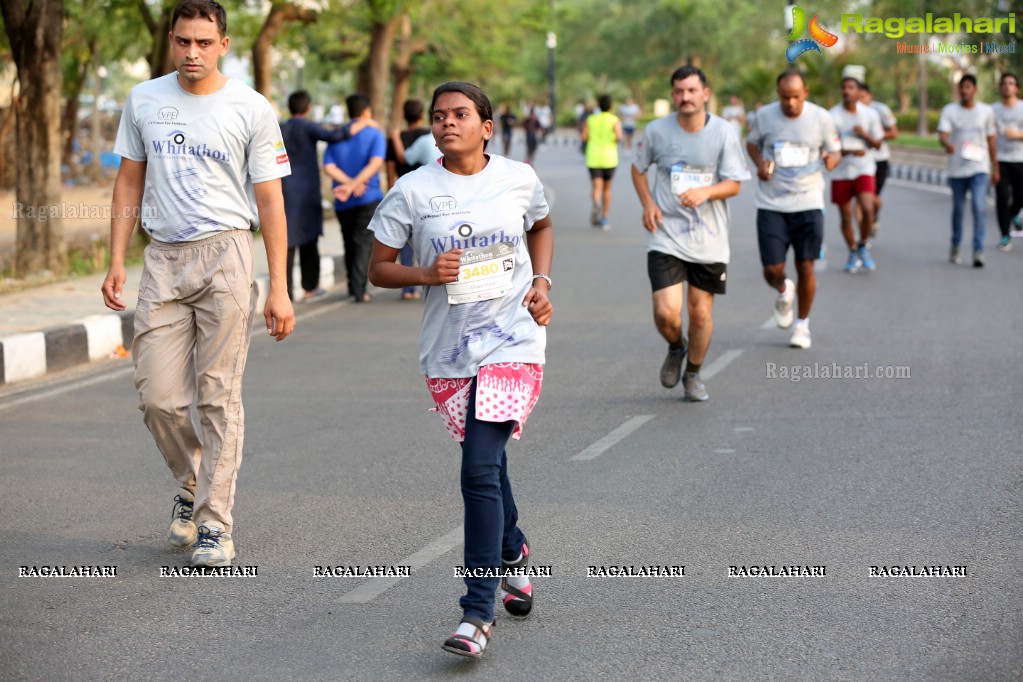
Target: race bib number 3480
{"type": "Point", "coordinates": [483, 274]}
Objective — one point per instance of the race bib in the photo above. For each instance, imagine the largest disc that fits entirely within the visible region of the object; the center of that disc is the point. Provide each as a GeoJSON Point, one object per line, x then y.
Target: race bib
{"type": "Point", "coordinates": [790, 155]}
{"type": "Point", "coordinates": [853, 143]}
{"type": "Point", "coordinates": [685, 178]}
{"type": "Point", "coordinates": [973, 152]}
{"type": "Point", "coordinates": [483, 274]}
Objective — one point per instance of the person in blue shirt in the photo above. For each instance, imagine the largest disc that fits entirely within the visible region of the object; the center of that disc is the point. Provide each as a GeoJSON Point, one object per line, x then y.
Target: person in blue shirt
{"type": "Point", "coordinates": [302, 198]}
{"type": "Point", "coordinates": [354, 166]}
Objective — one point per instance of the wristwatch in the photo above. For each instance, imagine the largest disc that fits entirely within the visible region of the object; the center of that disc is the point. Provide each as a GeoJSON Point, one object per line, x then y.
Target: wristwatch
{"type": "Point", "coordinates": [546, 278]}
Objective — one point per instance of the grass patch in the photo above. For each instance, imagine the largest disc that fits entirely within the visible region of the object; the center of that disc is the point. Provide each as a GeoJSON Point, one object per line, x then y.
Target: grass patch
{"type": "Point", "coordinates": [916, 141]}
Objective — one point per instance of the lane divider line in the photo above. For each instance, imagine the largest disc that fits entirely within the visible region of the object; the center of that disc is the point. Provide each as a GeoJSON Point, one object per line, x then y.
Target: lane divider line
{"type": "Point", "coordinates": [612, 438]}
{"type": "Point", "coordinates": [374, 587]}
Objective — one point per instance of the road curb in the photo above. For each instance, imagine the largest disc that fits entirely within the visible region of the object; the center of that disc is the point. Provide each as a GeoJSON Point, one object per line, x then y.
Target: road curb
{"type": "Point", "coordinates": [30, 355]}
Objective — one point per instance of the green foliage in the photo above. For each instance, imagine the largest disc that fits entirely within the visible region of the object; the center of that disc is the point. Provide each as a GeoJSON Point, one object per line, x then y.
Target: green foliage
{"type": "Point", "coordinates": [908, 120]}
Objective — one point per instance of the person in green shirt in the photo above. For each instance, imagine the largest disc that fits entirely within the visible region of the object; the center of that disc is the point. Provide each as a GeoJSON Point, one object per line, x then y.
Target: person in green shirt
{"type": "Point", "coordinates": [601, 134]}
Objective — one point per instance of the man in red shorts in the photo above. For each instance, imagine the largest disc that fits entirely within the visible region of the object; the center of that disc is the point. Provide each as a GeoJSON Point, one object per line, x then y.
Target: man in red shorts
{"type": "Point", "coordinates": [859, 129]}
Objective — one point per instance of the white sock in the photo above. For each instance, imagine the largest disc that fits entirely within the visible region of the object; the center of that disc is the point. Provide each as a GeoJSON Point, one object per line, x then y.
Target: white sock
{"type": "Point", "coordinates": [803, 324]}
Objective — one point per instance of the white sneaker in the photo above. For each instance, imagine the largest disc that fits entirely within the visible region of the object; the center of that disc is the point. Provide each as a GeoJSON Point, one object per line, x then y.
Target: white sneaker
{"type": "Point", "coordinates": [182, 532]}
{"type": "Point", "coordinates": [783, 306]}
{"type": "Point", "coordinates": [214, 547]}
{"type": "Point", "coordinates": [800, 337]}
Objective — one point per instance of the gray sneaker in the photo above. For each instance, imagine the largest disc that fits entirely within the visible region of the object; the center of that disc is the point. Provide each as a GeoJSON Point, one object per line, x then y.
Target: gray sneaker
{"type": "Point", "coordinates": [978, 259]}
{"type": "Point", "coordinates": [214, 547]}
{"type": "Point", "coordinates": [953, 256]}
{"type": "Point", "coordinates": [671, 370]}
{"type": "Point", "coordinates": [182, 531]}
{"type": "Point", "coordinates": [696, 392]}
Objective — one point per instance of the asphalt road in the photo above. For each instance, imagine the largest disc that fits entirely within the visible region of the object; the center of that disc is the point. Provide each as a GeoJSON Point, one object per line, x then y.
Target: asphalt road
{"type": "Point", "coordinates": [345, 465]}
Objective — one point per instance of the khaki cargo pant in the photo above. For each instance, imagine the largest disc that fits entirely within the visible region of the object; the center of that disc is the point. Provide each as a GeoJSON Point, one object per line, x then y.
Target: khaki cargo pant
{"type": "Point", "coordinates": [193, 324]}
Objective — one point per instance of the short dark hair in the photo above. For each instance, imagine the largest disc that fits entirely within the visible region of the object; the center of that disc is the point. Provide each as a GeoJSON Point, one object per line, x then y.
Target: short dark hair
{"type": "Point", "coordinates": [604, 102]}
{"type": "Point", "coordinates": [684, 72]}
{"type": "Point", "coordinates": [857, 81]}
{"type": "Point", "coordinates": [474, 92]}
{"type": "Point", "coordinates": [790, 73]}
{"type": "Point", "coordinates": [969, 77]}
{"type": "Point", "coordinates": [201, 9]}
{"type": "Point", "coordinates": [865, 88]}
{"type": "Point", "coordinates": [299, 101]}
{"type": "Point", "coordinates": [356, 104]}
{"type": "Point", "coordinates": [412, 110]}
{"type": "Point", "coordinates": [1008, 74]}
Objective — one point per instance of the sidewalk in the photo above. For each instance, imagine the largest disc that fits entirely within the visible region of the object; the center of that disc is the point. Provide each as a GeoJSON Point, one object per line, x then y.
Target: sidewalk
{"type": "Point", "coordinates": [56, 326]}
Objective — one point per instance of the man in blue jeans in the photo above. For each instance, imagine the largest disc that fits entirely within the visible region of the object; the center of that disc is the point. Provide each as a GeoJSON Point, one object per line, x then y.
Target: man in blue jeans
{"type": "Point", "coordinates": [967, 132]}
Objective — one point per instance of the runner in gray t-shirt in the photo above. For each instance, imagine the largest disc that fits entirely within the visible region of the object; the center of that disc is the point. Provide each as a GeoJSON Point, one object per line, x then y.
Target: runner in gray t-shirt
{"type": "Point", "coordinates": [699, 164]}
{"type": "Point", "coordinates": [1009, 126]}
{"type": "Point", "coordinates": [966, 130]}
{"type": "Point", "coordinates": [792, 142]}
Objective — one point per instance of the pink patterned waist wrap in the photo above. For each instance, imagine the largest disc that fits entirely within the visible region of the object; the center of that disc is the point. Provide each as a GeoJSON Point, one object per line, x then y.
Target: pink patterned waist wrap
{"type": "Point", "coordinates": [505, 391]}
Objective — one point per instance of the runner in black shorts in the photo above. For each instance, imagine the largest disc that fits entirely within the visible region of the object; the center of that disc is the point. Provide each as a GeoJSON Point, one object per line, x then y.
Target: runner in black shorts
{"type": "Point", "coordinates": [666, 271]}
{"type": "Point", "coordinates": [881, 156]}
{"type": "Point", "coordinates": [791, 143]}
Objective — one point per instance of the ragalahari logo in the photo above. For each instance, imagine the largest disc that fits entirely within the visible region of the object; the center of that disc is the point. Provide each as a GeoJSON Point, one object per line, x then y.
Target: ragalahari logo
{"type": "Point", "coordinates": [818, 35]}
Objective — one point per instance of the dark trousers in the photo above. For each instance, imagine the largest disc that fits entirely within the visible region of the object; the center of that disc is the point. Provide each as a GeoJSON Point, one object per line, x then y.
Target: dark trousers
{"type": "Point", "coordinates": [309, 262]}
{"type": "Point", "coordinates": [358, 245]}
{"type": "Point", "coordinates": [1009, 194]}
{"type": "Point", "coordinates": [491, 518]}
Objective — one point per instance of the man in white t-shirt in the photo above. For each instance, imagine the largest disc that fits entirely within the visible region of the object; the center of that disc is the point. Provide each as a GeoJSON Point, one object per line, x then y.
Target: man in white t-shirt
{"type": "Point", "coordinates": [202, 158]}
{"type": "Point", "coordinates": [889, 124]}
{"type": "Point", "coordinates": [966, 130]}
{"type": "Point", "coordinates": [629, 114]}
{"type": "Point", "coordinates": [859, 129]}
{"type": "Point", "coordinates": [735, 114]}
{"type": "Point", "coordinates": [1009, 125]}
{"type": "Point", "coordinates": [791, 143]}
{"type": "Point", "coordinates": [699, 164]}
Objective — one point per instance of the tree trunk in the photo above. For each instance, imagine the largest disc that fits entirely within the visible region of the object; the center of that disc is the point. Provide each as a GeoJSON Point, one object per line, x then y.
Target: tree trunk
{"type": "Point", "coordinates": [34, 32]}
{"type": "Point", "coordinates": [280, 14]}
{"type": "Point", "coordinates": [402, 70]}
{"type": "Point", "coordinates": [69, 126]}
{"type": "Point", "coordinates": [374, 70]}
{"type": "Point", "coordinates": [160, 63]}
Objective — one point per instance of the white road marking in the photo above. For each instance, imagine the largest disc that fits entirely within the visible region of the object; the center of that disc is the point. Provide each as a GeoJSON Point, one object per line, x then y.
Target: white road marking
{"type": "Point", "coordinates": [720, 363]}
{"type": "Point", "coordinates": [374, 587]}
{"type": "Point", "coordinates": [740, 429]}
{"type": "Point", "coordinates": [612, 438]}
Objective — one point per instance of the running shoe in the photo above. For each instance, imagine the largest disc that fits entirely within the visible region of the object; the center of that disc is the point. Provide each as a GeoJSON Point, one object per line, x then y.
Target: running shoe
{"type": "Point", "coordinates": [671, 369]}
{"type": "Point", "coordinates": [852, 265]}
{"type": "Point", "coordinates": [604, 225]}
{"type": "Point", "coordinates": [696, 392]}
{"type": "Point", "coordinates": [978, 259]}
{"type": "Point", "coordinates": [595, 215]}
{"type": "Point", "coordinates": [954, 257]}
{"type": "Point", "coordinates": [868, 262]}
{"type": "Point", "coordinates": [783, 305]}
{"type": "Point", "coordinates": [800, 337]}
{"type": "Point", "coordinates": [213, 547]}
{"type": "Point", "coordinates": [182, 529]}
{"type": "Point", "coordinates": [1005, 244]}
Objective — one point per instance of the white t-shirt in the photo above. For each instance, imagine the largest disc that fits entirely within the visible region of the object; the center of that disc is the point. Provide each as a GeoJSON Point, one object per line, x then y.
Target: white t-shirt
{"type": "Point", "coordinates": [968, 131]}
{"type": "Point", "coordinates": [1009, 118]}
{"type": "Point", "coordinates": [695, 235]}
{"type": "Point", "coordinates": [629, 113]}
{"type": "Point", "coordinates": [203, 154]}
{"type": "Point", "coordinates": [423, 151]}
{"type": "Point", "coordinates": [852, 166]}
{"type": "Point", "coordinates": [439, 211]}
{"type": "Point", "coordinates": [795, 146]}
{"type": "Point", "coordinates": [733, 113]}
{"type": "Point", "coordinates": [887, 121]}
